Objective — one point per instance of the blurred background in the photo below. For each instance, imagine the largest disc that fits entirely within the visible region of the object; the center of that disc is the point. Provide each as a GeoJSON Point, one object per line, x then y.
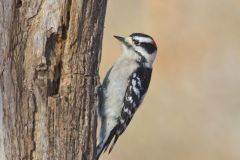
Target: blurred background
{"type": "Point", "coordinates": [192, 109]}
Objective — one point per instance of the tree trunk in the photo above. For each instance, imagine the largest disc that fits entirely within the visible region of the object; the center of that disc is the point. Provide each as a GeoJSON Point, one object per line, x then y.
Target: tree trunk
{"type": "Point", "coordinates": [49, 58]}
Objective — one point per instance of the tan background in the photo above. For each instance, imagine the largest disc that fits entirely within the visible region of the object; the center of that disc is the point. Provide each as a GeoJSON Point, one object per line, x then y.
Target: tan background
{"type": "Point", "coordinates": [192, 110]}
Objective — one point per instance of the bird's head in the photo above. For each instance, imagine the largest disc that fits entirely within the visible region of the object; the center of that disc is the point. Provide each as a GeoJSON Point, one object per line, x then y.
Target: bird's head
{"type": "Point", "coordinates": [139, 46]}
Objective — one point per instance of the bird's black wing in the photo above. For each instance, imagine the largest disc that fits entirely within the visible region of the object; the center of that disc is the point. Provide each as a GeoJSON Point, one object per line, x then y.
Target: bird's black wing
{"type": "Point", "coordinates": [137, 87]}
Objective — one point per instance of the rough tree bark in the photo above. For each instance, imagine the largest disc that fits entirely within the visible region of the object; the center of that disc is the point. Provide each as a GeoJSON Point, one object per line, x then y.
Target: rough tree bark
{"type": "Point", "coordinates": [49, 58]}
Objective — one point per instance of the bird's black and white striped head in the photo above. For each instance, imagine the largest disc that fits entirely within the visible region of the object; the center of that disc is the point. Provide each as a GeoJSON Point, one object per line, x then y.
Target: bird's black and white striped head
{"type": "Point", "coordinates": [139, 46]}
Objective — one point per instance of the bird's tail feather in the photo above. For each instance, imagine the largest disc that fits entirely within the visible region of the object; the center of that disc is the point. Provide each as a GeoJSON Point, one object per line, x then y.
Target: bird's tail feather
{"type": "Point", "coordinates": [115, 140]}
{"type": "Point", "coordinates": [99, 150]}
{"type": "Point", "coordinates": [104, 144]}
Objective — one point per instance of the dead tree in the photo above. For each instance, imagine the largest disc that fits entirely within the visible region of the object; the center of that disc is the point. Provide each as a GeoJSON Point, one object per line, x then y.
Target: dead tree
{"type": "Point", "coordinates": [49, 58]}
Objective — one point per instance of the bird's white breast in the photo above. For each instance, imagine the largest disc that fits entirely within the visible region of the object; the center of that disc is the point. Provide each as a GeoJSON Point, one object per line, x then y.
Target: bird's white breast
{"type": "Point", "coordinates": [118, 81]}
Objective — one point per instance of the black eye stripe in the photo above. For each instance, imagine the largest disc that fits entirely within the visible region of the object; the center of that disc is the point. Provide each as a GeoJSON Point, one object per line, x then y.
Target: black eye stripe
{"type": "Point", "coordinates": [150, 48]}
{"type": "Point", "coordinates": [136, 42]}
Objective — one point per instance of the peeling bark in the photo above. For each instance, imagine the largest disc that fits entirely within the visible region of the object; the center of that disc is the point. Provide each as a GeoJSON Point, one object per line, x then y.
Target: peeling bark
{"type": "Point", "coordinates": [49, 58]}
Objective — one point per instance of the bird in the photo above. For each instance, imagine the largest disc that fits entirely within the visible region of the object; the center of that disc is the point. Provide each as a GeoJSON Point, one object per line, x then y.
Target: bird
{"type": "Point", "coordinates": [124, 87]}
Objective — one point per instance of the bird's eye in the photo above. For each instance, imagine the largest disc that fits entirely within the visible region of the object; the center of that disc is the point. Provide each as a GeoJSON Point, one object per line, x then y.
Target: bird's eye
{"type": "Point", "coordinates": [136, 42]}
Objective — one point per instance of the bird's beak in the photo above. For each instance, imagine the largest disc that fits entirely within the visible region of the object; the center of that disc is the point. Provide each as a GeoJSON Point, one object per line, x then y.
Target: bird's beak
{"type": "Point", "coordinates": [121, 39]}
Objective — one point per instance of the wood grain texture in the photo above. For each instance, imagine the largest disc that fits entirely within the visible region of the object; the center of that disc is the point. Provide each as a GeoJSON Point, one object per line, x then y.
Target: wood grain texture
{"type": "Point", "coordinates": [50, 52]}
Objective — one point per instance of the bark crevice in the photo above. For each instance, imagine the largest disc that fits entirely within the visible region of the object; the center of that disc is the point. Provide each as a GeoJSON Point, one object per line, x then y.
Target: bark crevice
{"type": "Point", "coordinates": [32, 102]}
{"type": "Point", "coordinates": [53, 52]}
{"type": "Point", "coordinates": [18, 3]}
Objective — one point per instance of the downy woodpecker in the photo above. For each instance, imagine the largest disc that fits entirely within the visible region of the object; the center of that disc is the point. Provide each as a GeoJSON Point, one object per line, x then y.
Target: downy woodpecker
{"type": "Point", "coordinates": [124, 87]}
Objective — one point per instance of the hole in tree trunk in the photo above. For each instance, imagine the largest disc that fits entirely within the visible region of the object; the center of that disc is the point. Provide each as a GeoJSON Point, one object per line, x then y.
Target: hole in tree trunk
{"type": "Point", "coordinates": [18, 4]}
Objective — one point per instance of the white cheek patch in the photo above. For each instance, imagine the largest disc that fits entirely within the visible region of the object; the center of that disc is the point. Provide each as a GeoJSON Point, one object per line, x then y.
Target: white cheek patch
{"type": "Point", "coordinates": [140, 49]}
